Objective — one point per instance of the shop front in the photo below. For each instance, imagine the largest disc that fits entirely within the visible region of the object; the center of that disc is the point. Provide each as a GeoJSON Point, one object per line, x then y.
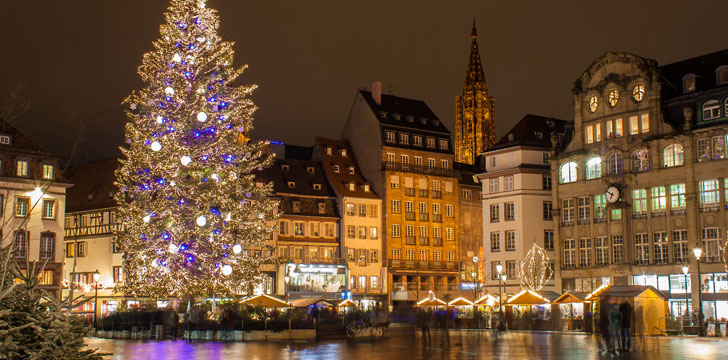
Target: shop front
{"type": "Point", "coordinates": [309, 281]}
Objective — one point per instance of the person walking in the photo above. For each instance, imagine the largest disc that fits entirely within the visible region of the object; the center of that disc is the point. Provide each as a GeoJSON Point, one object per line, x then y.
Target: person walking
{"type": "Point", "coordinates": [606, 336]}
{"type": "Point", "coordinates": [615, 326]}
{"type": "Point", "coordinates": [639, 325]}
{"type": "Point", "coordinates": [626, 310]}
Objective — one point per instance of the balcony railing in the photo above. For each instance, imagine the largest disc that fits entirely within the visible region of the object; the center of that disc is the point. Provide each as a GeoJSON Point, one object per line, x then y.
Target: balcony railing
{"type": "Point", "coordinates": [709, 209]}
{"type": "Point", "coordinates": [409, 240]}
{"type": "Point", "coordinates": [658, 214]}
{"type": "Point", "coordinates": [422, 265]}
{"type": "Point", "coordinates": [639, 216]}
{"type": "Point", "coordinates": [424, 217]}
{"type": "Point", "coordinates": [409, 191]}
{"type": "Point", "coordinates": [436, 194]}
{"type": "Point", "coordinates": [437, 218]}
{"type": "Point", "coordinates": [313, 260]}
{"type": "Point", "coordinates": [567, 223]}
{"type": "Point", "coordinates": [424, 241]}
{"type": "Point", "coordinates": [584, 222]}
{"type": "Point", "coordinates": [436, 241]}
{"type": "Point", "coordinates": [409, 216]}
{"type": "Point", "coordinates": [422, 193]}
{"type": "Point", "coordinates": [642, 261]}
{"type": "Point", "coordinates": [677, 212]}
{"type": "Point", "coordinates": [600, 220]}
{"type": "Point", "coordinates": [418, 169]}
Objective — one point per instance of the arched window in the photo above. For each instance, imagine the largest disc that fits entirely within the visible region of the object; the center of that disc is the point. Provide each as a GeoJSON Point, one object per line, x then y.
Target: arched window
{"type": "Point", "coordinates": [725, 107]}
{"type": "Point", "coordinates": [711, 110]}
{"type": "Point", "coordinates": [568, 172]}
{"type": "Point", "coordinates": [614, 164]}
{"type": "Point", "coordinates": [594, 168]}
{"type": "Point", "coordinates": [641, 160]}
{"type": "Point", "coordinates": [672, 155]}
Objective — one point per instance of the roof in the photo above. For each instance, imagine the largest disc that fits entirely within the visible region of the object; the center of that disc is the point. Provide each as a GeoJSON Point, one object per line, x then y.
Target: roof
{"type": "Point", "coordinates": [297, 152]}
{"type": "Point", "coordinates": [475, 76]}
{"type": "Point", "coordinates": [395, 110]}
{"type": "Point", "coordinates": [341, 178]}
{"type": "Point", "coordinates": [302, 303]}
{"type": "Point", "coordinates": [527, 297]}
{"type": "Point", "coordinates": [266, 301]}
{"type": "Point", "coordinates": [703, 67]}
{"type": "Point", "coordinates": [19, 143]}
{"type": "Point", "coordinates": [465, 173]}
{"type": "Point", "coordinates": [626, 291]}
{"type": "Point", "coordinates": [93, 186]}
{"type": "Point", "coordinates": [461, 301]}
{"type": "Point", "coordinates": [532, 130]}
{"type": "Point", "coordinates": [297, 177]}
{"type": "Point", "coordinates": [488, 300]}
{"type": "Point", "coordinates": [567, 298]}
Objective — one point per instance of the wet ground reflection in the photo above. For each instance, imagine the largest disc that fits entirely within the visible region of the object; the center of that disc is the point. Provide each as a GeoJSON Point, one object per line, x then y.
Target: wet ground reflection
{"type": "Point", "coordinates": [410, 345]}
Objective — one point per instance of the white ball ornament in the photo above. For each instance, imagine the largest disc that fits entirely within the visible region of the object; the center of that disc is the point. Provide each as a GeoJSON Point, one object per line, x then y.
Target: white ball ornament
{"type": "Point", "coordinates": [159, 119]}
{"type": "Point", "coordinates": [201, 116]}
{"type": "Point", "coordinates": [176, 58]}
{"type": "Point", "coordinates": [169, 91]}
{"type": "Point", "coordinates": [227, 270]}
{"type": "Point", "coordinates": [147, 218]}
{"type": "Point", "coordinates": [185, 160]}
{"type": "Point", "coordinates": [237, 248]}
{"type": "Point", "coordinates": [201, 220]}
{"type": "Point", "coordinates": [172, 247]}
{"type": "Point", "coordinates": [156, 146]}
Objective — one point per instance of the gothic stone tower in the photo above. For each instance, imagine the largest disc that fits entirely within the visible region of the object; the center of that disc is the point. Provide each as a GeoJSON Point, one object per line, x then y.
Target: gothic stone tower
{"type": "Point", "coordinates": [474, 111]}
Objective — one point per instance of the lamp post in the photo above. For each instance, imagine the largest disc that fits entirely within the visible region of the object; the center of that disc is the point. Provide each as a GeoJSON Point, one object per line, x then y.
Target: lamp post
{"type": "Point", "coordinates": [475, 278]}
{"type": "Point", "coordinates": [499, 269]}
{"type": "Point", "coordinates": [503, 277]}
{"type": "Point", "coordinates": [685, 271]}
{"type": "Point", "coordinates": [285, 286]}
{"type": "Point", "coordinates": [701, 332]}
{"type": "Point", "coordinates": [96, 294]}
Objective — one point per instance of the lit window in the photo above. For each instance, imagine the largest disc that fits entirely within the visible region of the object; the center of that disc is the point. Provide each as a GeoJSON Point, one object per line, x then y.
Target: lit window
{"type": "Point", "coordinates": [659, 198]}
{"type": "Point", "coordinates": [593, 104]}
{"type": "Point", "coordinates": [49, 208]}
{"type": "Point", "coordinates": [48, 172]}
{"type": "Point", "coordinates": [641, 160]}
{"type": "Point", "coordinates": [22, 206]}
{"type": "Point", "coordinates": [618, 131]}
{"type": "Point", "coordinates": [719, 148]}
{"type": "Point", "coordinates": [708, 193]}
{"type": "Point", "coordinates": [634, 125]}
{"type": "Point", "coordinates": [721, 75]}
{"type": "Point", "coordinates": [403, 138]}
{"type": "Point", "coordinates": [389, 136]}
{"type": "Point", "coordinates": [677, 196]}
{"type": "Point", "coordinates": [711, 110]}
{"type": "Point", "coordinates": [645, 123]}
{"type": "Point", "coordinates": [673, 155]}
{"type": "Point", "coordinates": [568, 172]}
{"type": "Point", "coordinates": [589, 132]}
{"type": "Point", "coordinates": [688, 83]}
{"type": "Point", "coordinates": [22, 168]}
{"type": "Point", "coordinates": [613, 98]}
{"type": "Point", "coordinates": [639, 200]}
{"type": "Point", "coordinates": [597, 132]}
{"type": "Point", "coordinates": [594, 168]}
{"type": "Point", "coordinates": [395, 230]}
{"type": "Point", "coordinates": [638, 93]}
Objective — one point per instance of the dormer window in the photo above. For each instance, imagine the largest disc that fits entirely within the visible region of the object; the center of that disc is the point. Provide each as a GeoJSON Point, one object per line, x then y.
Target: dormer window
{"type": "Point", "coordinates": [343, 152]}
{"type": "Point", "coordinates": [351, 170]}
{"type": "Point", "coordinates": [296, 205]}
{"type": "Point", "coordinates": [721, 78]}
{"type": "Point", "coordinates": [310, 169]}
{"type": "Point", "coordinates": [48, 172]}
{"type": "Point", "coordinates": [396, 116]}
{"type": "Point", "coordinates": [284, 167]}
{"type": "Point", "coordinates": [4, 139]}
{"type": "Point", "coordinates": [291, 184]}
{"type": "Point", "coordinates": [322, 208]}
{"type": "Point", "coordinates": [383, 114]}
{"type": "Point", "coordinates": [443, 144]}
{"type": "Point", "coordinates": [403, 138]}
{"type": "Point", "coordinates": [539, 135]}
{"type": "Point", "coordinates": [328, 150]}
{"type": "Point", "coordinates": [22, 169]}
{"type": "Point", "coordinates": [423, 121]}
{"type": "Point", "coordinates": [435, 122]}
{"type": "Point", "coordinates": [317, 186]}
{"type": "Point", "coordinates": [366, 187]}
{"type": "Point", "coordinates": [336, 168]}
{"type": "Point", "coordinates": [352, 186]}
{"type": "Point", "coordinates": [688, 83]}
{"type": "Point", "coordinates": [417, 140]}
{"type": "Point", "coordinates": [410, 118]}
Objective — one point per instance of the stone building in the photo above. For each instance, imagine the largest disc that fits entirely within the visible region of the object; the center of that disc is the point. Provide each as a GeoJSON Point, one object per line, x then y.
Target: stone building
{"type": "Point", "coordinates": [470, 229]}
{"type": "Point", "coordinates": [361, 221]}
{"type": "Point", "coordinates": [406, 153]}
{"type": "Point", "coordinates": [516, 205]}
{"type": "Point", "coordinates": [32, 206]}
{"type": "Point", "coordinates": [474, 110]}
{"type": "Point", "coordinates": [642, 182]}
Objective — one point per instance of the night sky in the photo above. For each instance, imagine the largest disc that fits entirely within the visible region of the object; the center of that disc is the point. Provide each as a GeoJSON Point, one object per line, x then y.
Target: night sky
{"type": "Point", "coordinates": [77, 59]}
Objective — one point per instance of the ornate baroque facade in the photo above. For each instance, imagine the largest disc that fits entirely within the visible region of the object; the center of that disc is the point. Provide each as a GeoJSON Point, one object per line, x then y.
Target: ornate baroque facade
{"type": "Point", "coordinates": [474, 111]}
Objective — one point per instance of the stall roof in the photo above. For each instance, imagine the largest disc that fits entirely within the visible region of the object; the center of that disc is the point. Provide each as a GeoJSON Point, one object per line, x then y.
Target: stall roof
{"type": "Point", "coordinates": [624, 291]}
{"type": "Point", "coordinates": [461, 301]}
{"type": "Point", "coordinates": [346, 303]}
{"type": "Point", "coordinates": [488, 300]}
{"type": "Point", "coordinates": [567, 298]}
{"type": "Point", "coordinates": [302, 303]}
{"type": "Point", "coordinates": [427, 302]}
{"type": "Point", "coordinates": [527, 297]}
{"type": "Point", "coordinates": [266, 301]}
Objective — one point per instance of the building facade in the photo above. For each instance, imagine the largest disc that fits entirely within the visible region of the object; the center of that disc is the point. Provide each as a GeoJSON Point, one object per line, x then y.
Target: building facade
{"type": "Point", "coordinates": [406, 153]}
{"type": "Point", "coordinates": [32, 204]}
{"type": "Point", "coordinates": [517, 199]}
{"type": "Point", "coordinates": [474, 110]}
{"type": "Point", "coordinates": [470, 230]}
{"type": "Point", "coordinates": [361, 222]}
{"type": "Point", "coordinates": [642, 181]}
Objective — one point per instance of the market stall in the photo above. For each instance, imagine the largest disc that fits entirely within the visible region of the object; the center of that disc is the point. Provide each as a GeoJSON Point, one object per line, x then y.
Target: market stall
{"type": "Point", "coordinates": [527, 310]}
{"type": "Point", "coordinates": [463, 308]}
{"type": "Point", "coordinates": [649, 305]}
{"type": "Point", "coordinates": [266, 301]}
{"type": "Point", "coordinates": [572, 310]}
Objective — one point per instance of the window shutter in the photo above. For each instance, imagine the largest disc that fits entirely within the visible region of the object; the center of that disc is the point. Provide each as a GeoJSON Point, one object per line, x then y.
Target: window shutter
{"type": "Point", "coordinates": [448, 187]}
{"type": "Point", "coordinates": [408, 182]}
{"type": "Point", "coordinates": [395, 179]}
{"type": "Point", "coordinates": [422, 184]}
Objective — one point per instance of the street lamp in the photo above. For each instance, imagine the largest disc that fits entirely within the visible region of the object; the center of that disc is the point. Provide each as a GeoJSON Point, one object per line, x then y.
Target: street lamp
{"type": "Point", "coordinates": [96, 294]}
{"type": "Point", "coordinates": [701, 332]}
{"type": "Point", "coordinates": [285, 286]}
{"type": "Point", "coordinates": [685, 271]}
{"type": "Point", "coordinates": [475, 278]}
{"type": "Point", "coordinates": [499, 269]}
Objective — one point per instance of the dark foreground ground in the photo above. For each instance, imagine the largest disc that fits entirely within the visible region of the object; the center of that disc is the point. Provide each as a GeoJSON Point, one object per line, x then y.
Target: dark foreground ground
{"type": "Point", "coordinates": [405, 345]}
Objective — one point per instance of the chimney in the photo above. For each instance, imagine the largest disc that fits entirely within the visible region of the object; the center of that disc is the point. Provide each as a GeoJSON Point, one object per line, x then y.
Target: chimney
{"type": "Point", "coordinates": [377, 92]}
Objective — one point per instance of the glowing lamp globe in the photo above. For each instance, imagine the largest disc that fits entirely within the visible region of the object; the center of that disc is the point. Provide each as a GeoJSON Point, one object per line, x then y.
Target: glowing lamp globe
{"type": "Point", "coordinates": [185, 160]}
{"type": "Point", "coordinates": [201, 221]}
{"type": "Point", "coordinates": [697, 252]}
{"type": "Point", "coordinates": [201, 116]}
{"type": "Point", "coordinates": [227, 270]}
{"type": "Point", "coordinates": [237, 248]}
{"type": "Point", "coordinates": [156, 146]}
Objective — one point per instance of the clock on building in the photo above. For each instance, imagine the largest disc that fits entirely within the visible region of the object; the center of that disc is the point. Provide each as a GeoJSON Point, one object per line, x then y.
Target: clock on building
{"type": "Point", "coordinates": [612, 194]}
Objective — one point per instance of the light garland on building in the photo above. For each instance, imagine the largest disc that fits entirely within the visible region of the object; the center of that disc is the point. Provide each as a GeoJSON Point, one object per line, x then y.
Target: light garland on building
{"type": "Point", "coordinates": [189, 198]}
{"type": "Point", "coordinates": [535, 269]}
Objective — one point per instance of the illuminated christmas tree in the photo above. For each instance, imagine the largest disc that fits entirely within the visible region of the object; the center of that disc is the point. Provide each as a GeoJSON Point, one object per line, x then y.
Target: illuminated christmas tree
{"type": "Point", "coordinates": [189, 200]}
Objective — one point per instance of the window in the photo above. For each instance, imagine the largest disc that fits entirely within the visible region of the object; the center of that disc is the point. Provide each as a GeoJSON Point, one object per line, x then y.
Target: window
{"type": "Point", "coordinates": [617, 249]}
{"type": "Point", "coordinates": [389, 136]}
{"type": "Point", "coordinates": [417, 140]}
{"type": "Point", "coordinates": [48, 172]}
{"type": "Point", "coordinates": [547, 206]}
{"type": "Point", "coordinates": [672, 155]}
{"type": "Point", "coordinates": [548, 239]}
{"type": "Point", "coordinates": [493, 186]}
{"type": "Point", "coordinates": [645, 123]}
{"type": "Point", "coordinates": [430, 142]}
{"type": "Point", "coordinates": [703, 149]}
{"type": "Point", "coordinates": [373, 210]}
{"type": "Point", "coordinates": [118, 274]}
{"type": "Point", "coordinates": [395, 230]}
{"type": "Point", "coordinates": [491, 161]}
{"type": "Point", "coordinates": [418, 161]}
{"type": "Point", "coordinates": [47, 241]}
{"type": "Point", "coordinates": [396, 253]}
{"type": "Point", "coordinates": [680, 245]}
{"type": "Point", "coordinates": [449, 234]}
{"type": "Point", "coordinates": [618, 129]}
{"type": "Point", "coordinates": [546, 182]}
{"type": "Point", "coordinates": [510, 240]}
{"type": "Point", "coordinates": [567, 209]}
{"type": "Point", "coordinates": [443, 144]}
{"type": "Point", "coordinates": [430, 164]}
{"type": "Point", "coordinates": [22, 206]}
{"type": "Point", "coordinates": [362, 210]}
{"type": "Point", "coordinates": [719, 149]}
{"type": "Point", "coordinates": [614, 164]}
{"type": "Point", "coordinates": [494, 213]}
{"type": "Point", "coordinates": [567, 172]}
{"type": "Point", "coordinates": [508, 182]}
{"type": "Point", "coordinates": [642, 249]}
{"type": "Point", "coordinates": [437, 255]}
{"type": "Point", "coordinates": [322, 208]}
{"type": "Point", "coordinates": [639, 201]}
{"type": "Point", "coordinates": [450, 256]}
{"type": "Point", "coordinates": [569, 260]}
{"type": "Point", "coordinates": [409, 231]}
{"type": "Point", "coordinates": [436, 209]}
{"type": "Point", "coordinates": [638, 93]}
{"type": "Point", "coordinates": [613, 98]}
{"type": "Point", "coordinates": [585, 247]}
{"type": "Point", "coordinates": [510, 211]}
{"type": "Point", "coordinates": [634, 125]}
{"type": "Point", "coordinates": [600, 206]}
{"type": "Point", "coordinates": [424, 255]}
{"type": "Point", "coordinates": [711, 110]}
{"type": "Point", "coordinates": [598, 132]}
{"type": "Point", "coordinates": [659, 199]}
{"type": "Point", "coordinates": [22, 169]}
{"type": "Point", "coordinates": [711, 245]}
{"type": "Point", "coordinates": [391, 159]}
{"type": "Point", "coordinates": [594, 168]}
{"type": "Point", "coordinates": [394, 182]}
{"type": "Point", "coordinates": [373, 233]}
{"type": "Point", "coordinates": [467, 194]}
{"type": "Point", "coordinates": [405, 161]}
{"type": "Point", "coordinates": [298, 228]}
{"type": "Point", "coordinates": [394, 206]}
{"type": "Point", "coordinates": [593, 104]}
{"type": "Point", "coordinates": [374, 282]}
{"type": "Point", "coordinates": [362, 232]}
{"type": "Point", "coordinates": [403, 138]}
{"type": "Point", "coordinates": [602, 250]}
{"type": "Point", "coordinates": [589, 132]}
{"type": "Point", "coordinates": [449, 210]}
{"type": "Point", "coordinates": [677, 196]}
{"type": "Point", "coordinates": [511, 269]}
{"type": "Point", "coordinates": [721, 75]}
{"type": "Point", "coordinates": [422, 207]}
{"type": "Point", "coordinates": [350, 209]}
{"type": "Point", "coordinates": [444, 164]}
{"type": "Point", "coordinates": [4, 139]}
{"type": "Point", "coordinates": [708, 193]}
{"type": "Point", "coordinates": [49, 207]}
{"type": "Point", "coordinates": [688, 83]}
{"type": "Point", "coordinates": [662, 254]}
{"type": "Point", "coordinates": [495, 241]}
{"type": "Point", "coordinates": [296, 206]}
{"type": "Point", "coordinates": [584, 210]}
{"type": "Point", "coordinates": [641, 160]}
{"type": "Point", "coordinates": [283, 228]}
{"type": "Point", "coordinates": [616, 214]}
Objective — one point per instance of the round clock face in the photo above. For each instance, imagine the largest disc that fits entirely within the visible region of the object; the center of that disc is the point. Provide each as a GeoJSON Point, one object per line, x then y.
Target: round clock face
{"type": "Point", "coordinates": [612, 194]}
{"type": "Point", "coordinates": [593, 104]}
{"type": "Point", "coordinates": [638, 93]}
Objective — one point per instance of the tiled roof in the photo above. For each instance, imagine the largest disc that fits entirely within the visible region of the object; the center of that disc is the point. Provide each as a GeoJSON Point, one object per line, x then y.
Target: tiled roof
{"type": "Point", "coordinates": [340, 179]}
{"type": "Point", "coordinates": [19, 143]}
{"type": "Point", "coordinates": [93, 186]}
{"type": "Point", "coordinates": [297, 177]}
{"type": "Point", "coordinates": [465, 172]}
{"type": "Point", "coordinates": [703, 67]}
{"type": "Point", "coordinates": [532, 130]}
{"type": "Point", "coordinates": [403, 112]}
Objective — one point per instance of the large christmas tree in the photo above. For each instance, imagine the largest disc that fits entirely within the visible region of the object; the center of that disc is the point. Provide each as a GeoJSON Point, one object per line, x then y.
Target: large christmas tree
{"type": "Point", "coordinates": [193, 213]}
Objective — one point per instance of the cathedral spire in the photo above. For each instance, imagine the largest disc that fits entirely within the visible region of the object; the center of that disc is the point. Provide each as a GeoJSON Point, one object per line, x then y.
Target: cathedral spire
{"type": "Point", "coordinates": [474, 76]}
